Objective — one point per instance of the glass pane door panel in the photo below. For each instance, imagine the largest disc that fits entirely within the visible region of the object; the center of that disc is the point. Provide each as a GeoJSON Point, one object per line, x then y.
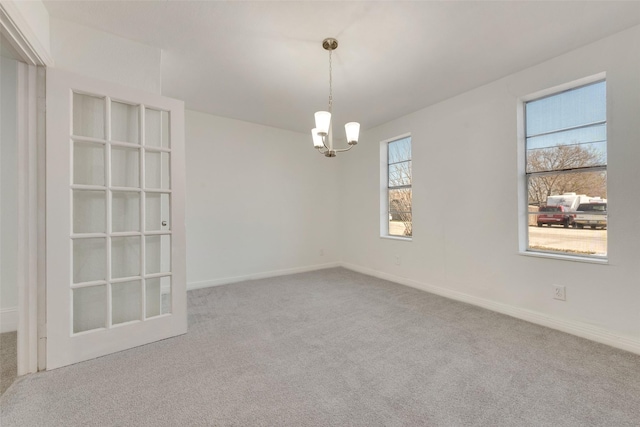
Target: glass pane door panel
{"type": "Point", "coordinates": [89, 259]}
{"type": "Point", "coordinates": [153, 298]}
{"type": "Point", "coordinates": [89, 308]}
{"type": "Point", "coordinates": [158, 296]}
{"type": "Point", "coordinates": [88, 163]}
{"type": "Point", "coordinates": [125, 257]}
{"type": "Point", "coordinates": [157, 170]}
{"type": "Point", "coordinates": [158, 254]}
{"type": "Point", "coordinates": [88, 115]}
{"type": "Point", "coordinates": [125, 122]}
{"type": "Point", "coordinates": [156, 128]}
{"type": "Point", "coordinates": [125, 211]}
{"type": "Point", "coordinates": [89, 211]}
{"type": "Point", "coordinates": [125, 167]}
{"type": "Point", "coordinates": [126, 301]}
{"type": "Point", "coordinates": [157, 212]}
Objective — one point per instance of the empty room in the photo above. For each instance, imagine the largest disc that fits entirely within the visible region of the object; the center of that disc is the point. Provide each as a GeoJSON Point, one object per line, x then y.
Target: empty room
{"type": "Point", "coordinates": [319, 213]}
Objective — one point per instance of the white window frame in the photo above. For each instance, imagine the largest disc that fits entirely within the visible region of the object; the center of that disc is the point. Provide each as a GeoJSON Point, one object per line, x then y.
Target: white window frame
{"type": "Point", "coordinates": [523, 193]}
{"type": "Point", "coordinates": [384, 189]}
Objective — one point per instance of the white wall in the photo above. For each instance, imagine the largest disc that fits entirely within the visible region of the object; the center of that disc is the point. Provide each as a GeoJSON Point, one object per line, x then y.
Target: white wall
{"type": "Point", "coordinates": [260, 201]}
{"type": "Point", "coordinates": [8, 195]}
{"type": "Point", "coordinates": [465, 191]}
{"type": "Point", "coordinates": [101, 55]}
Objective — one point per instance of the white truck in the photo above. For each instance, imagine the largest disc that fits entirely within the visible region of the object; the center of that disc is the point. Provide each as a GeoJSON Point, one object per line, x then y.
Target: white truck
{"type": "Point", "coordinates": [592, 214]}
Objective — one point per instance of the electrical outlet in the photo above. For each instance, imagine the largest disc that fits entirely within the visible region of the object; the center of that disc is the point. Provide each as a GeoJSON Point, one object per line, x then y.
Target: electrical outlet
{"type": "Point", "coordinates": [559, 292]}
{"type": "Point", "coordinates": [397, 259]}
{"type": "Point", "coordinates": [321, 252]}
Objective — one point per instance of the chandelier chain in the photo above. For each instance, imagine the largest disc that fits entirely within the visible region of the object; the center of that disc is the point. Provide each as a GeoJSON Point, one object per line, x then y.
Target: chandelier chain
{"type": "Point", "coordinates": [330, 81]}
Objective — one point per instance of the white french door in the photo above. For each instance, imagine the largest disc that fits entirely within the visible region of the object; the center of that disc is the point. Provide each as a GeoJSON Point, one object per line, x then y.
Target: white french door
{"type": "Point", "coordinates": [115, 218]}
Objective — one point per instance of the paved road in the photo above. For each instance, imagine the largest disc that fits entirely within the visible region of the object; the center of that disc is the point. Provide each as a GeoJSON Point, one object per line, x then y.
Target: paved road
{"type": "Point", "coordinates": [569, 239]}
{"type": "Point", "coordinates": [585, 241]}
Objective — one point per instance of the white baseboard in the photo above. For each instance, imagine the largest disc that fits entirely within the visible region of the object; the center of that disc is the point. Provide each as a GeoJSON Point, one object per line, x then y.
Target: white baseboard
{"type": "Point", "coordinates": [581, 329]}
{"type": "Point", "coordinates": [262, 275]}
{"type": "Point", "coordinates": [8, 319]}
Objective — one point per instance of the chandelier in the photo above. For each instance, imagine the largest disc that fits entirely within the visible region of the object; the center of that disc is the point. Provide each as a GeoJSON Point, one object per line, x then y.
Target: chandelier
{"type": "Point", "coordinates": [322, 134]}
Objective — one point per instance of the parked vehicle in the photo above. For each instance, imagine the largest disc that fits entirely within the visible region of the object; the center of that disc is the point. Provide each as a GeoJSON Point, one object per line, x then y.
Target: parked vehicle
{"type": "Point", "coordinates": [557, 215]}
{"type": "Point", "coordinates": [593, 215]}
{"type": "Point", "coordinates": [570, 201]}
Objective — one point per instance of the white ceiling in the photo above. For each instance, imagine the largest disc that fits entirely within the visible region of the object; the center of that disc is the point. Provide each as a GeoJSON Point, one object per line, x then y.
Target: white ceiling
{"type": "Point", "coordinates": [263, 62]}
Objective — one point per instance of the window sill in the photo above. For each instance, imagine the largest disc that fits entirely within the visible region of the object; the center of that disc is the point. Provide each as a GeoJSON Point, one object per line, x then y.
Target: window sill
{"type": "Point", "coordinates": [573, 258]}
{"type": "Point", "coordinates": [405, 239]}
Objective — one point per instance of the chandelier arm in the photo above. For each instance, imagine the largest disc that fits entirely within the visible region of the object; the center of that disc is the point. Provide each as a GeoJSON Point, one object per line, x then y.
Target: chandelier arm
{"type": "Point", "coordinates": [340, 150]}
{"type": "Point", "coordinates": [325, 146]}
{"type": "Point", "coordinates": [324, 138]}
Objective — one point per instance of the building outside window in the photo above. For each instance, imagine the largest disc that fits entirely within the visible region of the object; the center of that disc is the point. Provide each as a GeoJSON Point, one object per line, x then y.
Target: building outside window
{"type": "Point", "coordinates": [566, 171]}
{"type": "Point", "coordinates": [399, 193]}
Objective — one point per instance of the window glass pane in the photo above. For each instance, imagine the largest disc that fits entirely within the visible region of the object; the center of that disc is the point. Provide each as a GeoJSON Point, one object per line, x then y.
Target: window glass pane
{"type": "Point", "coordinates": [590, 240]}
{"type": "Point", "coordinates": [158, 296]}
{"type": "Point", "coordinates": [125, 257]}
{"type": "Point", "coordinates": [157, 212]}
{"type": "Point", "coordinates": [594, 135]}
{"type": "Point", "coordinates": [126, 301]}
{"type": "Point", "coordinates": [158, 254]}
{"type": "Point", "coordinates": [400, 218]}
{"type": "Point", "coordinates": [88, 163]}
{"type": "Point", "coordinates": [400, 174]}
{"type": "Point", "coordinates": [157, 170]}
{"type": "Point", "coordinates": [568, 189]}
{"type": "Point", "coordinates": [89, 308]}
{"type": "Point", "coordinates": [153, 298]}
{"type": "Point", "coordinates": [572, 222]}
{"type": "Point", "coordinates": [124, 122]}
{"type": "Point", "coordinates": [89, 211]}
{"type": "Point", "coordinates": [125, 167]}
{"type": "Point", "coordinates": [399, 150]}
{"type": "Point", "coordinates": [125, 207]}
{"type": "Point", "coordinates": [88, 115]}
{"type": "Point", "coordinates": [576, 107]}
{"type": "Point", "coordinates": [585, 147]}
{"type": "Point", "coordinates": [156, 128]}
{"type": "Point", "coordinates": [89, 260]}
{"type": "Point", "coordinates": [401, 228]}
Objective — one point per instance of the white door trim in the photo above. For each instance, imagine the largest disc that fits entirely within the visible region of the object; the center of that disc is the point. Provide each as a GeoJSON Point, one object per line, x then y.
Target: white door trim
{"type": "Point", "coordinates": [30, 140]}
{"type": "Point", "coordinates": [27, 131]}
{"type": "Point", "coordinates": [22, 38]}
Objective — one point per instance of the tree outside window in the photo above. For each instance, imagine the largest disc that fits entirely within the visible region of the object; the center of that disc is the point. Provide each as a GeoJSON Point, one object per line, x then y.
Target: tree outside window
{"type": "Point", "coordinates": [399, 192]}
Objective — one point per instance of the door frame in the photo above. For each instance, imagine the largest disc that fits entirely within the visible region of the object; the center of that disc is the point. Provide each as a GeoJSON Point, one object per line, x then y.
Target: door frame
{"type": "Point", "coordinates": [31, 187]}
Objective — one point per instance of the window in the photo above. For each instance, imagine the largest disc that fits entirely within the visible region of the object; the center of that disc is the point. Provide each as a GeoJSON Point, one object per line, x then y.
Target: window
{"type": "Point", "coordinates": [398, 188]}
{"type": "Point", "coordinates": [566, 171]}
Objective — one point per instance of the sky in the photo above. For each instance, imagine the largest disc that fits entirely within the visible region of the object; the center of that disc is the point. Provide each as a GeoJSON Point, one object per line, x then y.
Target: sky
{"type": "Point", "coordinates": [557, 119]}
